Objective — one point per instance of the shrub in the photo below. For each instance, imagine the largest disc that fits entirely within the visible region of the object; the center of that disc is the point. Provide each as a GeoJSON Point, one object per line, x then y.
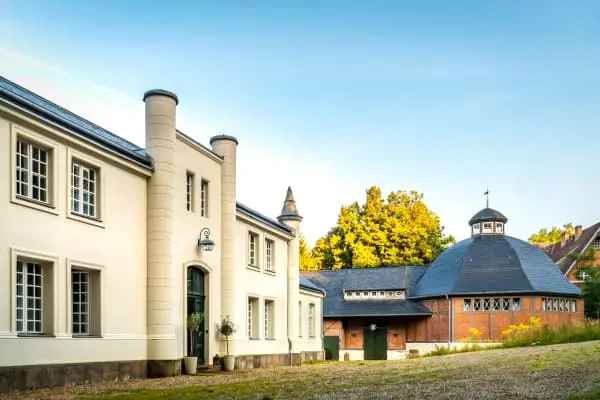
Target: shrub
{"type": "Point", "coordinates": [545, 335]}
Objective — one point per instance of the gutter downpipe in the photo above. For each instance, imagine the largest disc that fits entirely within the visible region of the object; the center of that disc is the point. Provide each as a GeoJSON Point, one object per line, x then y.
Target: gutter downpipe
{"type": "Point", "coordinates": [449, 320]}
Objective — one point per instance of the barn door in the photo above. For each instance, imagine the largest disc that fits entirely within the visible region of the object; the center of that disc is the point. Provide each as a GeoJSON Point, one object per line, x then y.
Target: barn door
{"type": "Point", "coordinates": [332, 347]}
{"type": "Point", "coordinates": [375, 343]}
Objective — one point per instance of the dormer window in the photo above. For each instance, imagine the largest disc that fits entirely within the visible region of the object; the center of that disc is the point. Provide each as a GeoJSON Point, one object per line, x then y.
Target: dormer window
{"type": "Point", "coordinates": [596, 243]}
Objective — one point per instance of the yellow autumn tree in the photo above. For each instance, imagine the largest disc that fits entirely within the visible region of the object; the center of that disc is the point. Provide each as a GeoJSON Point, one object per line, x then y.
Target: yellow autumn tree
{"type": "Point", "coordinates": [399, 230]}
{"type": "Point", "coordinates": [307, 261]}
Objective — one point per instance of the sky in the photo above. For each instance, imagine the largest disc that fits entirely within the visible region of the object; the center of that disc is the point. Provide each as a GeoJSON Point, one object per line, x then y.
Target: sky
{"type": "Point", "coordinates": [446, 98]}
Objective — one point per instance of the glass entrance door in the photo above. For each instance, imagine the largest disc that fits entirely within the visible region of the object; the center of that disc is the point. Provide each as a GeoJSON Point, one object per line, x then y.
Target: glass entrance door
{"type": "Point", "coordinates": [195, 303]}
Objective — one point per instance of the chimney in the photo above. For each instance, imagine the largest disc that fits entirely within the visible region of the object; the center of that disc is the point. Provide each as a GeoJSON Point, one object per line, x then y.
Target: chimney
{"type": "Point", "coordinates": [564, 239]}
{"type": "Point", "coordinates": [578, 231]}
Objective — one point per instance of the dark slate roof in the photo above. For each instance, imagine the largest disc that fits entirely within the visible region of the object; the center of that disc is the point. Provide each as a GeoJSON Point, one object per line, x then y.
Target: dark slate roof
{"type": "Point", "coordinates": [264, 219]}
{"type": "Point", "coordinates": [289, 211]}
{"type": "Point", "coordinates": [335, 282]}
{"type": "Point", "coordinates": [493, 264]}
{"type": "Point", "coordinates": [559, 254]}
{"type": "Point", "coordinates": [488, 215]}
{"type": "Point", "coordinates": [305, 283]}
{"type": "Point", "coordinates": [86, 129]}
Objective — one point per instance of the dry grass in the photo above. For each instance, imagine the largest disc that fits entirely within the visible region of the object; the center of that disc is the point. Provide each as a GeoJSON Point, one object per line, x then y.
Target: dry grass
{"type": "Point", "coordinates": [549, 372]}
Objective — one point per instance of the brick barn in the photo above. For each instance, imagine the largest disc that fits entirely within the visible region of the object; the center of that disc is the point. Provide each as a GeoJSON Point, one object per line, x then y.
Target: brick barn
{"type": "Point", "coordinates": [487, 282]}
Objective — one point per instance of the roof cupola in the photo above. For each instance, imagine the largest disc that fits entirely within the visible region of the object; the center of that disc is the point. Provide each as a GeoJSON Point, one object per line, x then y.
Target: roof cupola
{"type": "Point", "coordinates": [488, 222]}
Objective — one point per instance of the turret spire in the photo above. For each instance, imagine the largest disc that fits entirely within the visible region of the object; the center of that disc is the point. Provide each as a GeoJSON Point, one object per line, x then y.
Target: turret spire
{"type": "Point", "coordinates": [289, 212]}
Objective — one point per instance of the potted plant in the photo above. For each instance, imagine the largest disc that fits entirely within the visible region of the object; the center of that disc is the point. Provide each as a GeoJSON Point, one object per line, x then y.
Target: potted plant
{"type": "Point", "coordinates": [227, 328]}
{"type": "Point", "coordinates": [193, 324]}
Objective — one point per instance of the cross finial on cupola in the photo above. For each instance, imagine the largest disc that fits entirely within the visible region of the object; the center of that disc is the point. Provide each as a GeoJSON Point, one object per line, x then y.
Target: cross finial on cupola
{"type": "Point", "coordinates": [289, 212]}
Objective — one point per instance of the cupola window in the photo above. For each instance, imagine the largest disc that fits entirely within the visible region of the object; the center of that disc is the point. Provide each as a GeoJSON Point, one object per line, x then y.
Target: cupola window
{"type": "Point", "coordinates": [488, 227]}
{"type": "Point", "coordinates": [476, 229]}
{"type": "Point", "coordinates": [499, 227]}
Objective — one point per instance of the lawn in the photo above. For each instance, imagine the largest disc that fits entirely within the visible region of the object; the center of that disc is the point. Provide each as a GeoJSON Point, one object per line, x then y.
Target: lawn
{"type": "Point", "coordinates": [566, 371]}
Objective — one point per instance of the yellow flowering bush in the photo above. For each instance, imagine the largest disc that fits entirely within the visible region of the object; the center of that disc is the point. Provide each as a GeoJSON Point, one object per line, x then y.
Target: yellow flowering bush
{"type": "Point", "coordinates": [518, 329]}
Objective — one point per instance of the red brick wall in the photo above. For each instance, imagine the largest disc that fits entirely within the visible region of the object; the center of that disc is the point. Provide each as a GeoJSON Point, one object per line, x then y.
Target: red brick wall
{"type": "Point", "coordinates": [492, 323]}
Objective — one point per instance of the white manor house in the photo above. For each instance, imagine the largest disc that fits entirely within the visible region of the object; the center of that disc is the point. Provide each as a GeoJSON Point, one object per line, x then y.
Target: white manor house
{"type": "Point", "coordinates": [106, 248]}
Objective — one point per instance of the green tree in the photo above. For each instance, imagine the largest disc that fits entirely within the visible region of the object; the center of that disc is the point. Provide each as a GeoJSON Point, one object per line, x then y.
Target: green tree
{"type": "Point", "coordinates": [545, 236]}
{"type": "Point", "coordinates": [399, 230]}
{"type": "Point", "coordinates": [590, 289]}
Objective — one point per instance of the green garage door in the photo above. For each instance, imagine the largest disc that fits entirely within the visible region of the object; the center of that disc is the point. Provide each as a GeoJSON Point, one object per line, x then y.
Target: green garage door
{"type": "Point", "coordinates": [375, 344]}
{"type": "Point", "coordinates": [332, 347]}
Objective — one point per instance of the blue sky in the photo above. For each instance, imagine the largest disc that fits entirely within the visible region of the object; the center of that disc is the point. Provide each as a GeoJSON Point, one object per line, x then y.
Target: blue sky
{"type": "Point", "coordinates": [446, 98]}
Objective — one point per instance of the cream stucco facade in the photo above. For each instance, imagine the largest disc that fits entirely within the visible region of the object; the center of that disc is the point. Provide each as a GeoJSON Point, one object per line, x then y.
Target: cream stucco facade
{"type": "Point", "coordinates": [138, 247]}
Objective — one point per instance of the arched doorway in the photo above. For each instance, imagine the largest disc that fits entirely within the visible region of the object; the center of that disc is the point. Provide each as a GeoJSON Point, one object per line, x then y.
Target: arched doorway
{"type": "Point", "coordinates": [195, 303]}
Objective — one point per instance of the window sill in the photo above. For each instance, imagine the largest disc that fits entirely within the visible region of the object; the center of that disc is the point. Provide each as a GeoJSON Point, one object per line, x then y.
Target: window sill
{"type": "Point", "coordinates": [86, 220]}
{"type": "Point", "coordinates": [267, 272]}
{"type": "Point", "coordinates": [86, 337]}
{"type": "Point", "coordinates": [254, 338]}
{"type": "Point", "coordinates": [253, 268]}
{"type": "Point", "coordinates": [34, 335]}
{"type": "Point", "coordinates": [271, 339]}
{"type": "Point", "coordinates": [37, 205]}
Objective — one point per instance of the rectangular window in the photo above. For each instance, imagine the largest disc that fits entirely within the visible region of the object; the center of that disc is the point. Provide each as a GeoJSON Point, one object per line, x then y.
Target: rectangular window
{"type": "Point", "coordinates": [467, 305]}
{"type": "Point", "coordinates": [29, 297]}
{"type": "Point", "coordinates": [573, 305]}
{"type": "Point", "coordinates": [189, 191]}
{"type": "Point", "coordinates": [299, 319]}
{"type": "Point", "coordinates": [81, 302]}
{"type": "Point", "coordinates": [477, 228]}
{"type": "Point", "coordinates": [487, 227]}
{"type": "Point", "coordinates": [311, 320]}
{"type": "Point", "coordinates": [516, 304]}
{"type": "Point", "coordinates": [269, 319]}
{"type": "Point", "coordinates": [477, 305]}
{"type": "Point", "coordinates": [269, 259]}
{"type": "Point", "coordinates": [32, 165]}
{"type": "Point", "coordinates": [499, 227]}
{"type": "Point", "coordinates": [84, 190]}
{"type": "Point", "coordinates": [253, 317]}
{"type": "Point", "coordinates": [253, 249]}
{"type": "Point", "coordinates": [596, 243]}
{"type": "Point", "coordinates": [204, 198]}
{"type": "Point", "coordinates": [486, 304]}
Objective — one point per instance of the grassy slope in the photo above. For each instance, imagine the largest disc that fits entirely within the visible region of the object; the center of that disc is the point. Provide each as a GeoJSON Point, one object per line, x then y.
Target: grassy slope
{"type": "Point", "coordinates": [547, 372]}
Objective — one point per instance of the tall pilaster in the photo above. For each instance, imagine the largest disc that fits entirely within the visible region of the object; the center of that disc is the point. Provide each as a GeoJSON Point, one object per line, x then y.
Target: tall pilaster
{"type": "Point", "coordinates": [226, 147]}
{"type": "Point", "coordinates": [161, 301]}
{"type": "Point", "coordinates": [290, 217]}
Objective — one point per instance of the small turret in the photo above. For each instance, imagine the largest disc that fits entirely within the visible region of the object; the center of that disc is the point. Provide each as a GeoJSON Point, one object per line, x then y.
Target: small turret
{"type": "Point", "coordinates": [289, 212]}
{"type": "Point", "coordinates": [488, 222]}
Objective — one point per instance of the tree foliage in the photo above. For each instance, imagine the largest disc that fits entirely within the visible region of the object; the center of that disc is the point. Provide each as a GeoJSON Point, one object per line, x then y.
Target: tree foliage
{"type": "Point", "coordinates": [399, 230]}
{"type": "Point", "coordinates": [545, 236]}
{"type": "Point", "coordinates": [307, 261]}
{"type": "Point", "coordinates": [590, 289]}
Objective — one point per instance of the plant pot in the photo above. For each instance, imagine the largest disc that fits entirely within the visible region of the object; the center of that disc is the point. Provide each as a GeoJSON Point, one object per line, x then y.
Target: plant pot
{"type": "Point", "coordinates": [191, 365]}
{"type": "Point", "coordinates": [229, 363]}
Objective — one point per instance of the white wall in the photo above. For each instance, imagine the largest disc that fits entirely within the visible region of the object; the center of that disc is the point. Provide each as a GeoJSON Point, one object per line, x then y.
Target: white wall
{"type": "Point", "coordinates": [305, 342]}
{"type": "Point", "coordinates": [116, 245]}
{"type": "Point", "coordinates": [188, 224]}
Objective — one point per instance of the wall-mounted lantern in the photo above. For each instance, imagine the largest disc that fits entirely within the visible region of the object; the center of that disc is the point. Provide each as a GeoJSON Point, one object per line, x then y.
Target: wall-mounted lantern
{"type": "Point", "coordinates": [373, 327]}
{"type": "Point", "coordinates": [205, 243]}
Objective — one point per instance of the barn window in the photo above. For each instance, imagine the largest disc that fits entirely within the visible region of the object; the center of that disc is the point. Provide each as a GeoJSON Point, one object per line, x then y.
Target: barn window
{"type": "Point", "coordinates": [467, 305]}
{"type": "Point", "coordinates": [477, 305]}
{"type": "Point", "coordinates": [506, 304]}
{"type": "Point", "coordinates": [486, 304]}
{"type": "Point", "coordinates": [516, 304]}
{"type": "Point", "coordinates": [497, 302]}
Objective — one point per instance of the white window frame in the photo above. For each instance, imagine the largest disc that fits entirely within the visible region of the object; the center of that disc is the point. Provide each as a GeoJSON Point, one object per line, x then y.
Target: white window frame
{"type": "Point", "coordinates": [253, 249]}
{"type": "Point", "coordinates": [17, 134]}
{"type": "Point", "coordinates": [80, 158]}
{"type": "Point", "coordinates": [269, 319]}
{"type": "Point", "coordinates": [80, 308]}
{"type": "Point", "coordinates": [78, 190]}
{"type": "Point", "coordinates": [499, 227]}
{"type": "Point", "coordinates": [252, 317]}
{"type": "Point", "coordinates": [269, 255]}
{"type": "Point", "coordinates": [204, 197]}
{"type": "Point", "coordinates": [189, 191]}
{"type": "Point", "coordinates": [49, 290]}
{"type": "Point", "coordinates": [300, 319]}
{"type": "Point", "coordinates": [30, 281]}
{"type": "Point", "coordinates": [487, 227]}
{"type": "Point", "coordinates": [312, 320]}
{"type": "Point", "coordinates": [477, 228]}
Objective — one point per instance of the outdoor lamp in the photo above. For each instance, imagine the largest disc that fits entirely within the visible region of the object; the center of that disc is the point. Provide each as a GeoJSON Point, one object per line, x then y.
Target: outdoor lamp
{"type": "Point", "coordinates": [373, 327]}
{"type": "Point", "coordinates": [205, 242]}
